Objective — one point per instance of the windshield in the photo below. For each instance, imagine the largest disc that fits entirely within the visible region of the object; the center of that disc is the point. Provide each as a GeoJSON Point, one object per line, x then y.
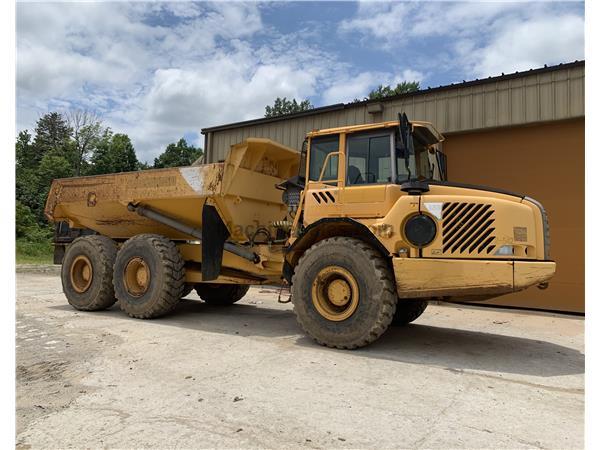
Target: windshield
{"type": "Point", "coordinates": [422, 164]}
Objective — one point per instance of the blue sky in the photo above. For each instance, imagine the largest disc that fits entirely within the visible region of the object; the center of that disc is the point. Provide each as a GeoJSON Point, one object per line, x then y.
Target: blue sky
{"type": "Point", "coordinates": [160, 71]}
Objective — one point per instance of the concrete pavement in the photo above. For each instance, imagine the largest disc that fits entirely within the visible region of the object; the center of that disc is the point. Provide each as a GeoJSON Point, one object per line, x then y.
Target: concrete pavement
{"type": "Point", "coordinates": [246, 376]}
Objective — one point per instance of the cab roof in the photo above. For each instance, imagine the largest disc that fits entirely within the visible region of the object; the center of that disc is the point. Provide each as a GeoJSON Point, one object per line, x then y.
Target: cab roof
{"type": "Point", "coordinates": [425, 131]}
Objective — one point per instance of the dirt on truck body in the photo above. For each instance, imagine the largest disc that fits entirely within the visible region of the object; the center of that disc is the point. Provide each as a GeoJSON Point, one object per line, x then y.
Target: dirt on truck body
{"type": "Point", "coordinates": [362, 224]}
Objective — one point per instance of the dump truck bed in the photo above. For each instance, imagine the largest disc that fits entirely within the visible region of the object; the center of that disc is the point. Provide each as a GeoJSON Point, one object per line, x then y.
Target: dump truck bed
{"type": "Point", "coordinates": [242, 189]}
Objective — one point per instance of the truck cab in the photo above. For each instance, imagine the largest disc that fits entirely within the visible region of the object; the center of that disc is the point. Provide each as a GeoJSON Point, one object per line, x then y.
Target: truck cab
{"type": "Point", "coordinates": [386, 184]}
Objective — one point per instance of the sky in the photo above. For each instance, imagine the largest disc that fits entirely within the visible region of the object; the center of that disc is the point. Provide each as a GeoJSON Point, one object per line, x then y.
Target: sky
{"type": "Point", "coordinates": [162, 71]}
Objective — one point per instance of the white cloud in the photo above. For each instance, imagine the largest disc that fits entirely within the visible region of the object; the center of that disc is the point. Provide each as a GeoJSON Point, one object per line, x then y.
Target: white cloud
{"type": "Point", "coordinates": [349, 88]}
{"type": "Point", "coordinates": [152, 70]}
{"type": "Point", "coordinates": [530, 44]}
{"type": "Point", "coordinates": [481, 38]}
{"type": "Point", "coordinates": [392, 22]}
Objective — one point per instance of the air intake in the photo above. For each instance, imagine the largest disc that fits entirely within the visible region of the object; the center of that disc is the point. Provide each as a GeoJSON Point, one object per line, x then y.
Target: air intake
{"type": "Point", "coordinates": [467, 228]}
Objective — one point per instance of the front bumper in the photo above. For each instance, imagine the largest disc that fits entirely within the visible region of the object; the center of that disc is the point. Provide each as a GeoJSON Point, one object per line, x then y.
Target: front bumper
{"type": "Point", "coordinates": [429, 277]}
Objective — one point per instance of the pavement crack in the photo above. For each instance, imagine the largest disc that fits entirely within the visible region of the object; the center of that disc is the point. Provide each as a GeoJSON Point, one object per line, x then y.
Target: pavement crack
{"type": "Point", "coordinates": [576, 391]}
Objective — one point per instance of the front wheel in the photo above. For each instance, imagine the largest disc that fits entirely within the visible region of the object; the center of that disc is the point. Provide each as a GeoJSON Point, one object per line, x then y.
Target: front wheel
{"type": "Point", "coordinates": [343, 293]}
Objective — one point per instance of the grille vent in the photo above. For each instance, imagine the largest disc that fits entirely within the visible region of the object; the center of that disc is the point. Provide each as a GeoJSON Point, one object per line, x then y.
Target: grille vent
{"type": "Point", "coordinates": [324, 197]}
{"type": "Point", "coordinates": [467, 228]}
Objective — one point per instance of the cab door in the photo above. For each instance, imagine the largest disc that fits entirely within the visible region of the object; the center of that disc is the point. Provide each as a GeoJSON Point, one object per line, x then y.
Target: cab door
{"type": "Point", "coordinates": [322, 193]}
{"type": "Point", "coordinates": [368, 190]}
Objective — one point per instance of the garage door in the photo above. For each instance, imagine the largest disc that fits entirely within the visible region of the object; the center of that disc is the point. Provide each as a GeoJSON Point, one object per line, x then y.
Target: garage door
{"type": "Point", "coordinates": [545, 162]}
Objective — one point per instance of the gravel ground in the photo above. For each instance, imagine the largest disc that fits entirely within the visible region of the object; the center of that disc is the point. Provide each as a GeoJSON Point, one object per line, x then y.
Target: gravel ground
{"type": "Point", "coordinates": [245, 376]}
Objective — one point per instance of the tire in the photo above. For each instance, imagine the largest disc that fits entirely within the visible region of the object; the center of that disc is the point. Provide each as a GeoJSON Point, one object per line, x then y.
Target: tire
{"type": "Point", "coordinates": [149, 276]}
{"type": "Point", "coordinates": [221, 294]}
{"type": "Point", "coordinates": [408, 311]}
{"type": "Point", "coordinates": [87, 272]}
{"type": "Point", "coordinates": [355, 314]}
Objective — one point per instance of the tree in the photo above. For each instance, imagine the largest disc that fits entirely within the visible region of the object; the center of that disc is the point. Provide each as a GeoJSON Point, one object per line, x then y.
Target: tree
{"type": "Point", "coordinates": [283, 106]}
{"type": "Point", "coordinates": [178, 155]}
{"type": "Point", "coordinates": [24, 151]}
{"type": "Point", "coordinates": [86, 129]}
{"type": "Point", "coordinates": [141, 165]}
{"type": "Point", "coordinates": [387, 91]}
{"type": "Point", "coordinates": [52, 132]}
{"type": "Point", "coordinates": [51, 167]}
{"type": "Point", "coordinates": [25, 220]}
{"type": "Point", "coordinates": [113, 153]}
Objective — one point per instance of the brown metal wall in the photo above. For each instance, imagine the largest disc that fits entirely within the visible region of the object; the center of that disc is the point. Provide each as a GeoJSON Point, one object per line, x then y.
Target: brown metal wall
{"type": "Point", "coordinates": [545, 162]}
{"type": "Point", "coordinates": [529, 98]}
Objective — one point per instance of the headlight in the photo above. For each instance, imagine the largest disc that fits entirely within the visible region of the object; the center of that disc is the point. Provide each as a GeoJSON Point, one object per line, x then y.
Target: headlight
{"type": "Point", "coordinates": [420, 230]}
{"type": "Point", "coordinates": [505, 250]}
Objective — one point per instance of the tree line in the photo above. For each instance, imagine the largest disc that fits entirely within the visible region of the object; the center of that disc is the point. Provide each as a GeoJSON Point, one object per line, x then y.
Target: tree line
{"type": "Point", "coordinates": [74, 144]}
{"type": "Point", "coordinates": [77, 143]}
{"type": "Point", "coordinates": [284, 106]}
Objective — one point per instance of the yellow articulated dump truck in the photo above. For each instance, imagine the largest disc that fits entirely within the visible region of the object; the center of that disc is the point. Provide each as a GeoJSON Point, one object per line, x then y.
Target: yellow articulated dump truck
{"type": "Point", "coordinates": [361, 224]}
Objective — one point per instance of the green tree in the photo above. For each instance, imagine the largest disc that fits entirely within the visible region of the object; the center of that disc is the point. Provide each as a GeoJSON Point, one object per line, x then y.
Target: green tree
{"type": "Point", "coordinates": [283, 106]}
{"type": "Point", "coordinates": [86, 129]}
{"type": "Point", "coordinates": [178, 155]}
{"type": "Point", "coordinates": [143, 166]}
{"type": "Point", "coordinates": [25, 220]}
{"type": "Point", "coordinates": [26, 185]}
{"type": "Point", "coordinates": [51, 167]}
{"type": "Point", "coordinates": [387, 91]}
{"type": "Point", "coordinates": [52, 132]}
{"type": "Point", "coordinates": [113, 153]}
{"type": "Point", "coordinates": [24, 153]}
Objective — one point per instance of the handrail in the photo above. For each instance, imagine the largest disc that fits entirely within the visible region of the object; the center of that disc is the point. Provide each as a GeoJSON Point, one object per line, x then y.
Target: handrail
{"type": "Point", "coordinates": [340, 155]}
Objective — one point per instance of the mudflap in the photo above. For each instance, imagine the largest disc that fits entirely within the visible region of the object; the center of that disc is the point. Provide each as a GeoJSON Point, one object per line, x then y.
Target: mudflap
{"type": "Point", "coordinates": [214, 235]}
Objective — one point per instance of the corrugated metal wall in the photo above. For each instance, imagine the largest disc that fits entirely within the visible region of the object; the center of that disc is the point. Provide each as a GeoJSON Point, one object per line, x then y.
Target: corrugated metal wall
{"type": "Point", "coordinates": [540, 96]}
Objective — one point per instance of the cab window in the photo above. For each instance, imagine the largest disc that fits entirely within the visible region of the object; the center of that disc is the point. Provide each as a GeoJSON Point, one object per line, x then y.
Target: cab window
{"type": "Point", "coordinates": [369, 159]}
{"type": "Point", "coordinates": [320, 147]}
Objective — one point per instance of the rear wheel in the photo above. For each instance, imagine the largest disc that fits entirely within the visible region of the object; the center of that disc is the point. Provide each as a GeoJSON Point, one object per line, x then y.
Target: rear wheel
{"type": "Point", "coordinates": [343, 293]}
{"type": "Point", "coordinates": [86, 273]}
{"type": "Point", "coordinates": [408, 311]}
{"type": "Point", "coordinates": [221, 294]}
{"type": "Point", "coordinates": [148, 276]}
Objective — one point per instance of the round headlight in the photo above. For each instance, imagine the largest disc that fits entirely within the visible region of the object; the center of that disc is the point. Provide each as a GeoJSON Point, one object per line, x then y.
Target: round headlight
{"type": "Point", "coordinates": [420, 230]}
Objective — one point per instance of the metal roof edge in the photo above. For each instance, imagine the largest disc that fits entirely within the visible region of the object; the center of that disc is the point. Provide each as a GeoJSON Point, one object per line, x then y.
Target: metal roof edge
{"type": "Point", "coordinates": [339, 106]}
{"type": "Point", "coordinates": [245, 123]}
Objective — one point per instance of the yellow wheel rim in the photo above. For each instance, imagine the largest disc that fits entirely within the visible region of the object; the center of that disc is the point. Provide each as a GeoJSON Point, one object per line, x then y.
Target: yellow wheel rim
{"type": "Point", "coordinates": [335, 293]}
{"type": "Point", "coordinates": [81, 274]}
{"type": "Point", "coordinates": [136, 277]}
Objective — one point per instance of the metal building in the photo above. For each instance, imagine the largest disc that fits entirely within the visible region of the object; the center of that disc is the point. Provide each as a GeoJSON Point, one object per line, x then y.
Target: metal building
{"type": "Point", "coordinates": [522, 131]}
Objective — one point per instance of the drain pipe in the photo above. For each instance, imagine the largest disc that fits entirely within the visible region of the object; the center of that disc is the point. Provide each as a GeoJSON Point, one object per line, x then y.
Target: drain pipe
{"type": "Point", "coordinates": [186, 229]}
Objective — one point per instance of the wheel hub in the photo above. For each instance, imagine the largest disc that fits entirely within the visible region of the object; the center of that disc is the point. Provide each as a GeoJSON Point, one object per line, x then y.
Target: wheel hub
{"type": "Point", "coordinates": [136, 277]}
{"type": "Point", "coordinates": [81, 274]}
{"type": "Point", "coordinates": [335, 293]}
{"type": "Point", "coordinates": [339, 292]}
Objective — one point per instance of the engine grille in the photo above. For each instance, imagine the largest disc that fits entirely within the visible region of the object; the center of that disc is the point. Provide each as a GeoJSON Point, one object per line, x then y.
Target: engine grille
{"type": "Point", "coordinates": [467, 228]}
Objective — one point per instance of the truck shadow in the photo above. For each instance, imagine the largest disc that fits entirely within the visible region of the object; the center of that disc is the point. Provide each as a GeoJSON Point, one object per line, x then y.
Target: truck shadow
{"type": "Point", "coordinates": [427, 345]}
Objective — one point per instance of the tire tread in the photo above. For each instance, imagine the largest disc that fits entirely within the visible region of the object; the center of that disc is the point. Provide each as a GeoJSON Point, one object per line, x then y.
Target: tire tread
{"type": "Point", "coordinates": [384, 276]}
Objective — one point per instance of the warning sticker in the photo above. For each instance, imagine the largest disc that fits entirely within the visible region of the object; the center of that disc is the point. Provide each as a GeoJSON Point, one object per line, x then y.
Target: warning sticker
{"type": "Point", "coordinates": [435, 208]}
{"type": "Point", "coordinates": [520, 234]}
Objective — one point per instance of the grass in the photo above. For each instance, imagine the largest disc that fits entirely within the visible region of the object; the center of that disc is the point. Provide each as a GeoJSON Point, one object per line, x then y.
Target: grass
{"type": "Point", "coordinates": [34, 252]}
